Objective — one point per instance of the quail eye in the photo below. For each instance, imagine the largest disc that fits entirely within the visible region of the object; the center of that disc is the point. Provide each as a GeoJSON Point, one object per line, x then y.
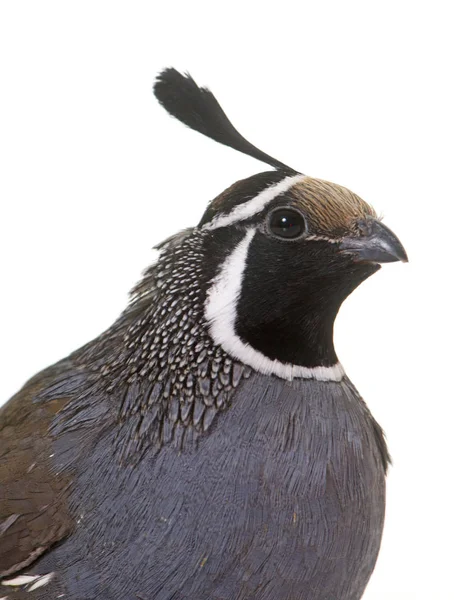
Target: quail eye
{"type": "Point", "coordinates": [287, 223]}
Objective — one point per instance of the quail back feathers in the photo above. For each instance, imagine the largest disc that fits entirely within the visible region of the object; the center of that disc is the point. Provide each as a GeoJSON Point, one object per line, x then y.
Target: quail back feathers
{"type": "Point", "coordinates": [209, 443]}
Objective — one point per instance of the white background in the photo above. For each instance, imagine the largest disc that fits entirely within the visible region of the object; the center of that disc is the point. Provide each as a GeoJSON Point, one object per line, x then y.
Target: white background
{"type": "Point", "coordinates": [93, 174]}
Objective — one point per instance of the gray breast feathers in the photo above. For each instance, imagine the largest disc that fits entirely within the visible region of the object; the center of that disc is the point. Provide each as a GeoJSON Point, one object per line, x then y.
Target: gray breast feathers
{"type": "Point", "coordinates": [283, 499]}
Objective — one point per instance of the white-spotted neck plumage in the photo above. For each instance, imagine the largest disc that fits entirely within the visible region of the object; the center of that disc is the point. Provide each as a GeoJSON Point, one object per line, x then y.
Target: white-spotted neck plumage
{"type": "Point", "coordinates": [230, 296]}
{"type": "Point", "coordinates": [233, 294]}
{"type": "Point", "coordinates": [213, 415]}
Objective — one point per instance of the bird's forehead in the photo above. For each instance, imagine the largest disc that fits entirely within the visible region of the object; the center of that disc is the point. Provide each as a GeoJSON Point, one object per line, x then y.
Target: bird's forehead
{"type": "Point", "coordinates": [329, 207]}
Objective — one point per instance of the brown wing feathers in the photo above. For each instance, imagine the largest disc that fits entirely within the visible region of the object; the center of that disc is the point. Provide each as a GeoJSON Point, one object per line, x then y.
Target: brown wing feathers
{"type": "Point", "coordinates": [33, 513]}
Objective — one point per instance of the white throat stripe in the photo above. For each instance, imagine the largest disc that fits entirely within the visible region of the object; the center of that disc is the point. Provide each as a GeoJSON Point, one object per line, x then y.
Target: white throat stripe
{"type": "Point", "coordinates": [220, 312]}
{"type": "Point", "coordinates": [256, 204]}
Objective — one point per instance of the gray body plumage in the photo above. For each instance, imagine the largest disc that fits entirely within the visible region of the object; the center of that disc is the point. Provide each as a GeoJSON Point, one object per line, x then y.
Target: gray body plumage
{"type": "Point", "coordinates": [208, 445]}
{"type": "Point", "coordinates": [283, 500]}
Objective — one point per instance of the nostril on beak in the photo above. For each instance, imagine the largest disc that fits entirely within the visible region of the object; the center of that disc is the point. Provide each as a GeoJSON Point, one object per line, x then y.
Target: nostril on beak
{"type": "Point", "coordinates": [365, 226]}
{"type": "Point", "coordinates": [376, 243]}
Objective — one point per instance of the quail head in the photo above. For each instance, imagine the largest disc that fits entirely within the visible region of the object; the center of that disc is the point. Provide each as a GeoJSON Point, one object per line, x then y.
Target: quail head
{"type": "Point", "coordinates": [208, 445]}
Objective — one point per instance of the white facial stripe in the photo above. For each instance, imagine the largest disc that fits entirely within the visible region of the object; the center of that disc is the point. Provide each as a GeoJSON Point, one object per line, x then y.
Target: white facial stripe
{"type": "Point", "coordinates": [220, 312]}
{"type": "Point", "coordinates": [256, 204]}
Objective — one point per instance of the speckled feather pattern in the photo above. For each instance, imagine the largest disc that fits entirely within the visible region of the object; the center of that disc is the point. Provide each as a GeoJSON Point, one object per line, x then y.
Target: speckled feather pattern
{"type": "Point", "coordinates": [152, 465]}
{"type": "Point", "coordinates": [159, 358]}
{"type": "Point", "coordinates": [193, 478]}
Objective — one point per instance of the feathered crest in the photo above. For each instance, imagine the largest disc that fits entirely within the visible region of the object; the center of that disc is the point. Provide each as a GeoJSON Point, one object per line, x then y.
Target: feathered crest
{"type": "Point", "coordinates": [197, 108]}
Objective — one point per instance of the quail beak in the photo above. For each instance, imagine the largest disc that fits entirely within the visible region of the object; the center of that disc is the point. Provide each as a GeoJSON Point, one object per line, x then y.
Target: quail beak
{"type": "Point", "coordinates": [376, 244]}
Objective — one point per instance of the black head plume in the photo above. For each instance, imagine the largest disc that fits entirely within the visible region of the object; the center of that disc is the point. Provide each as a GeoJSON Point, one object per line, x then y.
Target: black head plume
{"type": "Point", "coordinates": [197, 108]}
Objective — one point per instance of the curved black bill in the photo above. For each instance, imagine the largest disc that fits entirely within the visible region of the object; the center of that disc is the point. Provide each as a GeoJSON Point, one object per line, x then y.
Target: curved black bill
{"type": "Point", "coordinates": [377, 244]}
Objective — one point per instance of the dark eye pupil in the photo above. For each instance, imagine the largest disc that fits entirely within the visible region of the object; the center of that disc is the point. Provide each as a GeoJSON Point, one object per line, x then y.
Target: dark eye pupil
{"type": "Point", "coordinates": [287, 223]}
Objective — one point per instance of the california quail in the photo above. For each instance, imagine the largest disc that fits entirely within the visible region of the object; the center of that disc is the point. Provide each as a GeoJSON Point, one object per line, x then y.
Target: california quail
{"type": "Point", "coordinates": [208, 445]}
